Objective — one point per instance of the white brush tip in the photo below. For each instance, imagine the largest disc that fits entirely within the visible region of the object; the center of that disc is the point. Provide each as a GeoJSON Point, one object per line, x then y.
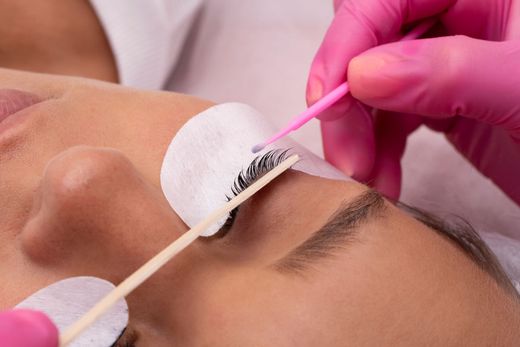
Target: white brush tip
{"type": "Point", "coordinates": [257, 148]}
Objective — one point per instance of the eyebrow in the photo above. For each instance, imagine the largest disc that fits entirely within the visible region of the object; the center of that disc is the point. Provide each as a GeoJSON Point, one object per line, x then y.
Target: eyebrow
{"type": "Point", "coordinates": [338, 232]}
{"type": "Point", "coordinates": [343, 226]}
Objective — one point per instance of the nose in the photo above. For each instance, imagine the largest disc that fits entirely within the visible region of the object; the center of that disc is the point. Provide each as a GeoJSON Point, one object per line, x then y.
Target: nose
{"type": "Point", "coordinates": [94, 214]}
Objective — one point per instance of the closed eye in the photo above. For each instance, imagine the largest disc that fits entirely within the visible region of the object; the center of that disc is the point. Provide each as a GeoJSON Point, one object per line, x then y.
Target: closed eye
{"type": "Point", "coordinates": [256, 169]}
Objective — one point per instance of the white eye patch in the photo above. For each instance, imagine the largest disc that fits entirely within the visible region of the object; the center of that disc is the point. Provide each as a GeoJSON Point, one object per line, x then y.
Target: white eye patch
{"type": "Point", "coordinates": [66, 301]}
{"type": "Point", "coordinates": [208, 152]}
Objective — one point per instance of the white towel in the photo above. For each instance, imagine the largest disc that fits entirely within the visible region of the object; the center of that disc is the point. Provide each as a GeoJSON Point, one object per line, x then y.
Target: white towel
{"type": "Point", "coordinates": [146, 36]}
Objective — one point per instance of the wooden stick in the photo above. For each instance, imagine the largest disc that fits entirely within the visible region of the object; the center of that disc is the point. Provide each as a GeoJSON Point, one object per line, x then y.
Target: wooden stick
{"type": "Point", "coordinates": [154, 264]}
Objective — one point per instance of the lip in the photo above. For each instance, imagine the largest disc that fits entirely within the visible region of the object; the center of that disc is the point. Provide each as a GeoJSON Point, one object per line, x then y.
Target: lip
{"type": "Point", "coordinates": [12, 102]}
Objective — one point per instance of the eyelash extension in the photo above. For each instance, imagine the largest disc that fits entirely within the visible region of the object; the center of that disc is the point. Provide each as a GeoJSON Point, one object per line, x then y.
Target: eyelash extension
{"type": "Point", "coordinates": [128, 338]}
{"type": "Point", "coordinates": [258, 167]}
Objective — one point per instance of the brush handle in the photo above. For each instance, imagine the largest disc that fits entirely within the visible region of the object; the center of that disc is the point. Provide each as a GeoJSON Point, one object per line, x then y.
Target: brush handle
{"type": "Point", "coordinates": [319, 106]}
{"type": "Point", "coordinates": [331, 98]}
{"type": "Point", "coordinates": [340, 91]}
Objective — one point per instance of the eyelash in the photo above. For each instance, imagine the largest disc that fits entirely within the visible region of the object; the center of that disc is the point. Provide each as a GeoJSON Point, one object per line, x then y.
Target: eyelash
{"type": "Point", "coordinates": [128, 338]}
{"type": "Point", "coordinates": [258, 167]}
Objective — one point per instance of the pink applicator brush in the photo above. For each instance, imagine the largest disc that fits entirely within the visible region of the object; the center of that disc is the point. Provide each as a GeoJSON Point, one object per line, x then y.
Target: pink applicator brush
{"type": "Point", "coordinates": [332, 97]}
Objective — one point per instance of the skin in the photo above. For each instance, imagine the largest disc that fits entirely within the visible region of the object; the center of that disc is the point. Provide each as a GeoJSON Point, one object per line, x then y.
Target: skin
{"type": "Point", "coordinates": [55, 36]}
{"type": "Point", "coordinates": [81, 196]}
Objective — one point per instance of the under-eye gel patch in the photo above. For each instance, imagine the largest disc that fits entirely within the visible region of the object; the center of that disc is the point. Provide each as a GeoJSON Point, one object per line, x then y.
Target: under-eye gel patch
{"type": "Point", "coordinates": [66, 301]}
{"type": "Point", "coordinates": [208, 152]}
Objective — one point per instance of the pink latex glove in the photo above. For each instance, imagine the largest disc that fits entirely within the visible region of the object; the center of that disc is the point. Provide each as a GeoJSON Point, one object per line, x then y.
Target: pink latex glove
{"type": "Point", "coordinates": [26, 328]}
{"type": "Point", "coordinates": [468, 88]}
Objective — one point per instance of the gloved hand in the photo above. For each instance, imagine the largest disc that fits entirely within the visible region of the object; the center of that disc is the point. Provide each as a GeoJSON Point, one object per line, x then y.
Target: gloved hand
{"type": "Point", "coordinates": [469, 88]}
{"type": "Point", "coordinates": [26, 328]}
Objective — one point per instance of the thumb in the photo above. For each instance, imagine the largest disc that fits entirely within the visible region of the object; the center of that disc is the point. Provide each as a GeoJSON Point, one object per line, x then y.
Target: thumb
{"type": "Point", "coordinates": [443, 77]}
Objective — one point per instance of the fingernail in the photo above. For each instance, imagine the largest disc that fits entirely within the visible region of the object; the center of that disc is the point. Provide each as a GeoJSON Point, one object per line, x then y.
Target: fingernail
{"type": "Point", "coordinates": [338, 156]}
{"type": "Point", "coordinates": [387, 177]}
{"type": "Point", "coordinates": [341, 162]}
{"type": "Point", "coordinates": [378, 75]}
{"type": "Point", "coordinates": [348, 144]}
{"type": "Point", "coordinates": [314, 90]}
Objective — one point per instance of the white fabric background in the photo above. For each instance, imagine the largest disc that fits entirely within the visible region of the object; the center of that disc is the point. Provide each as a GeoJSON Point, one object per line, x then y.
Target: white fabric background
{"type": "Point", "coordinates": [146, 36]}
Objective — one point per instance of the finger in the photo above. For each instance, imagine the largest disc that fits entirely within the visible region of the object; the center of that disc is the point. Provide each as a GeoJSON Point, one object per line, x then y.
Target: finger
{"type": "Point", "coordinates": [348, 142]}
{"type": "Point", "coordinates": [443, 77]}
{"type": "Point", "coordinates": [337, 4]}
{"type": "Point", "coordinates": [491, 151]}
{"type": "Point", "coordinates": [27, 328]}
{"type": "Point", "coordinates": [358, 26]}
{"type": "Point", "coordinates": [392, 130]}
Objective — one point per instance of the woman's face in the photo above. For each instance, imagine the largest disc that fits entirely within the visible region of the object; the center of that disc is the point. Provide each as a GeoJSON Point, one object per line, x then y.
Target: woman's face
{"type": "Point", "coordinates": [80, 195]}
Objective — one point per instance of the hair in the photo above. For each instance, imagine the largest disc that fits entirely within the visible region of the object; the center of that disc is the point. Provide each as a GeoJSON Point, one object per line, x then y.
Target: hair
{"type": "Point", "coordinates": [464, 236]}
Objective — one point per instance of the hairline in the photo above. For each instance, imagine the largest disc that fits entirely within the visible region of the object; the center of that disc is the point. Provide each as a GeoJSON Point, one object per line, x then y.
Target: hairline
{"type": "Point", "coordinates": [461, 234]}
